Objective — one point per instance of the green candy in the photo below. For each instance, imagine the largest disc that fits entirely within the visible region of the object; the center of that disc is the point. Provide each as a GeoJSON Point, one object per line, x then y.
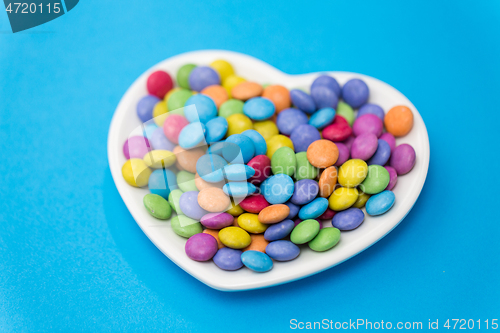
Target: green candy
{"type": "Point", "coordinates": [325, 240]}
{"type": "Point", "coordinates": [185, 226]}
{"type": "Point", "coordinates": [173, 200]}
{"type": "Point", "coordinates": [183, 75]}
{"type": "Point", "coordinates": [185, 181]}
{"type": "Point", "coordinates": [230, 107]}
{"type": "Point", "coordinates": [305, 170]}
{"type": "Point", "coordinates": [157, 206]}
{"type": "Point", "coordinates": [304, 232]}
{"type": "Point", "coordinates": [284, 161]}
{"type": "Point", "coordinates": [345, 110]}
{"type": "Point", "coordinates": [178, 99]}
{"type": "Point", "coordinates": [376, 181]}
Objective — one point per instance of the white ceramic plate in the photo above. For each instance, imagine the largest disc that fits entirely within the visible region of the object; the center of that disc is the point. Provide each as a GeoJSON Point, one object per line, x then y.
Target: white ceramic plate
{"type": "Point", "coordinates": [309, 262]}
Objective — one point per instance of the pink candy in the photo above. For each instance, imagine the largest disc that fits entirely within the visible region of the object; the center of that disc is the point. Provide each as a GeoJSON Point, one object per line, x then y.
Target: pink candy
{"type": "Point", "coordinates": [136, 147]}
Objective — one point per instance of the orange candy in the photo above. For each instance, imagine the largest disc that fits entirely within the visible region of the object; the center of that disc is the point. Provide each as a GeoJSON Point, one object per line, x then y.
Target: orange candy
{"type": "Point", "coordinates": [259, 243]}
{"type": "Point", "coordinates": [235, 222]}
{"type": "Point", "coordinates": [322, 153]}
{"type": "Point", "coordinates": [201, 184]}
{"type": "Point", "coordinates": [274, 214]}
{"type": "Point", "coordinates": [327, 181]}
{"type": "Point", "coordinates": [279, 95]}
{"type": "Point", "coordinates": [399, 120]}
{"type": "Point", "coordinates": [246, 90]}
{"type": "Point", "coordinates": [214, 233]}
{"type": "Point", "coordinates": [187, 158]}
{"type": "Point", "coordinates": [217, 93]}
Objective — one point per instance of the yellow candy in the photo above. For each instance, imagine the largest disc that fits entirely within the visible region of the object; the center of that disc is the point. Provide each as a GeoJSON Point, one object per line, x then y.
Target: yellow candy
{"type": "Point", "coordinates": [342, 198]}
{"type": "Point", "coordinates": [266, 128]}
{"type": "Point", "coordinates": [276, 142]}
{"type": "Point", "coordinates": [234, 237]}
{"type": "Point", "coordinates": [222, 67]}
{"type": "Point", "coordinates": [230, 82]}
{"type": "Point", "coordinates": [352, 173]}
{"type": "Point", "coordinates": [160, 113]}
{"type": "Point", "coordinates": [361, 201]}
{"type": "Point", "coordinates": [237, 123]}
{"type": "Point", "coordinates": [136, 172]}
{"type": "Point", "coordinates": [157, 159]}
{"type": "Point", "coordinates": [235, 210]}
{"type": "Point", "coordinates": [251, 223]}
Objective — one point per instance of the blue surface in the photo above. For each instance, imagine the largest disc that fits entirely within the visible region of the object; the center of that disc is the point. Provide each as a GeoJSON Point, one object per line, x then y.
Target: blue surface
{"type": "Point", "coordinates": [73, 259]}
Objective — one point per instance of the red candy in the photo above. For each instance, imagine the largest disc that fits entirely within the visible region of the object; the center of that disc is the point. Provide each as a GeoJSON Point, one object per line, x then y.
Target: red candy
{"type": "Point", "coordinates": [339, 130]}
{"type": "Point", "coordinates": [254, 203]}
{"type": "Point", "coordinates": [159, 84]}
{"type": "Point", "coordinates": [327, 215]}
{"type": "Point", "coordinates": [262, 167]}
{"type": "Point", "coordinates": [173, 126]}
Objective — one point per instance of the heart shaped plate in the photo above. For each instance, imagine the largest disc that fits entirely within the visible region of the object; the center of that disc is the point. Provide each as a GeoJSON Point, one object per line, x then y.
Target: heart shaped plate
{"type": "Point", "coordinates": [309, 262]}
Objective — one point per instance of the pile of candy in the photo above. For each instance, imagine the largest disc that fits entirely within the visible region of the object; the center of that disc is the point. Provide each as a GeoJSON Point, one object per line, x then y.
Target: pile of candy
{"type": "Point", "coordinates": [252, 171]}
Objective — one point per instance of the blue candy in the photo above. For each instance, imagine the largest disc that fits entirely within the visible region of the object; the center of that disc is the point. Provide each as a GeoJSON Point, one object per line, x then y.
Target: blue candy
{"type": "Point", "coordinates": [228, 259]}
{"type": "Point", "coordinates": [239, 189]}
{"type": "Point", "coordinates": [282, 250]}
{"type": "Point", "coordinates": [258, 141]}
{"type": "Point", "coordinates": [355, 93]}
{"type": "Point", "coordinates": [162, 182]}
{"type": "Point", "coordinates": [209, 167]}
{"type": "Point", "coordinates": [314, 209]}
{"type": "Point", "coordinates": [348, 219]}
{"type": "Point", "coordinates": [159, 141]}
{"type": "Point", "coordinates": [202, 77]}
{"type": "Point", "coordinates": [188, 203]}
{"type": "Point", "coordinates": [217, 148]}
{"type": "Point", "coordinates": [145, 107]}
{"type": "Point", "coordinates": [238, 172]}
{"type": "Point", "coordinates": [277, 189]}
{"type": "Point", "coordinates": [200, 108]}
{"type": "Point", "coordinates": [380, 203]}
{"type": "Point", "coordinates": [373, 109]}
{"type": "Point", "coordinates": [256, 261]}
{"type": "Point", "coordinates": [279, 230]}
{"type": "Point", "coordinates": [258, 108]}
{"type": "Point", "coordinates": [329, 82]}
{"type": "Point", "coordinates": [247, 149]}
{"type": "Point", "coordinates": [289, 119]}
{"type": "Point", "coordinates": [192, 135]}
{"type": "Point", "coordinates": [216, 129]}
{"type": "Point", "coordinates": [305, 191]}
{"type": "Point", "coordinates": [381, 155]}
{"type": "Point", "coordinates": [303, 135]}
{"type": "Point", "coordinates": [322, 118]}
{"type": "Point", "coordinates": [302, 100]}
{"type": "Point", "coordinates": [324, 97]}
{"type": "Point", "coordinates": [294, 209]}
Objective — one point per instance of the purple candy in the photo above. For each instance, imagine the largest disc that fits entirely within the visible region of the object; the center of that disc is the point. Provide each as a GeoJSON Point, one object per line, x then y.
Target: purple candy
{"type": "Point", "coordinates": [303, 135]}
{"type": "Point", "coordinates": [382, 154]}
{"type": "Point", "coordinates": [343, 154]}
{"type": "Point", "coordinates": [348, 142]}
{"type": "Point", "coordinates": [294, 209]}
{"type": "Point", "coordinates": [348, 219]}
{"type": "Point", "coordinates": [201, 247]}
{"type": "Point", "coordinates": [202, 77]}
{"type": "Point", "coordinates": [355, 93]}
{"type": "Point", "coordinates": [136, 147]}
{"type": "Point", "coordinates": [403, 159]}
{"type": "Point", "coordinates": [368, 123]}
{"type": "Point", "coordinates": [390, 139]}
{"type": "Point", "coordinates": [188, 203]}
{"type": "Point", "coordinates": [228, 259]}
{"type": "Point", "coordinates": [364, 146]}
{"type": "Point", "coordinates": [289, 119]}
{"type": "Point", "coordinates": [217, 220]}
{"type": "Point", "coordinates": [329, 82]}
{"type": "Point", "coordinates": [145, 107]}
{"type": "Point", "coordinates": [302, 100]}
{"type": "Point", "coordinates": [159, 140]}
{"type": "Point", "coordinates": [324, 97]}
{"type": "Point", "coordinates": [371, 109]}
{"type": "Point", "coordinates": [393, 177]}
{"type": "Point", "coordinates": [305, 191]}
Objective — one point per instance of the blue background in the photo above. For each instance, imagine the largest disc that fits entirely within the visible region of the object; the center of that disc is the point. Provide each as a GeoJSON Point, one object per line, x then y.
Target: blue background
{"type": "Point", "coordinates": [73, 259]}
